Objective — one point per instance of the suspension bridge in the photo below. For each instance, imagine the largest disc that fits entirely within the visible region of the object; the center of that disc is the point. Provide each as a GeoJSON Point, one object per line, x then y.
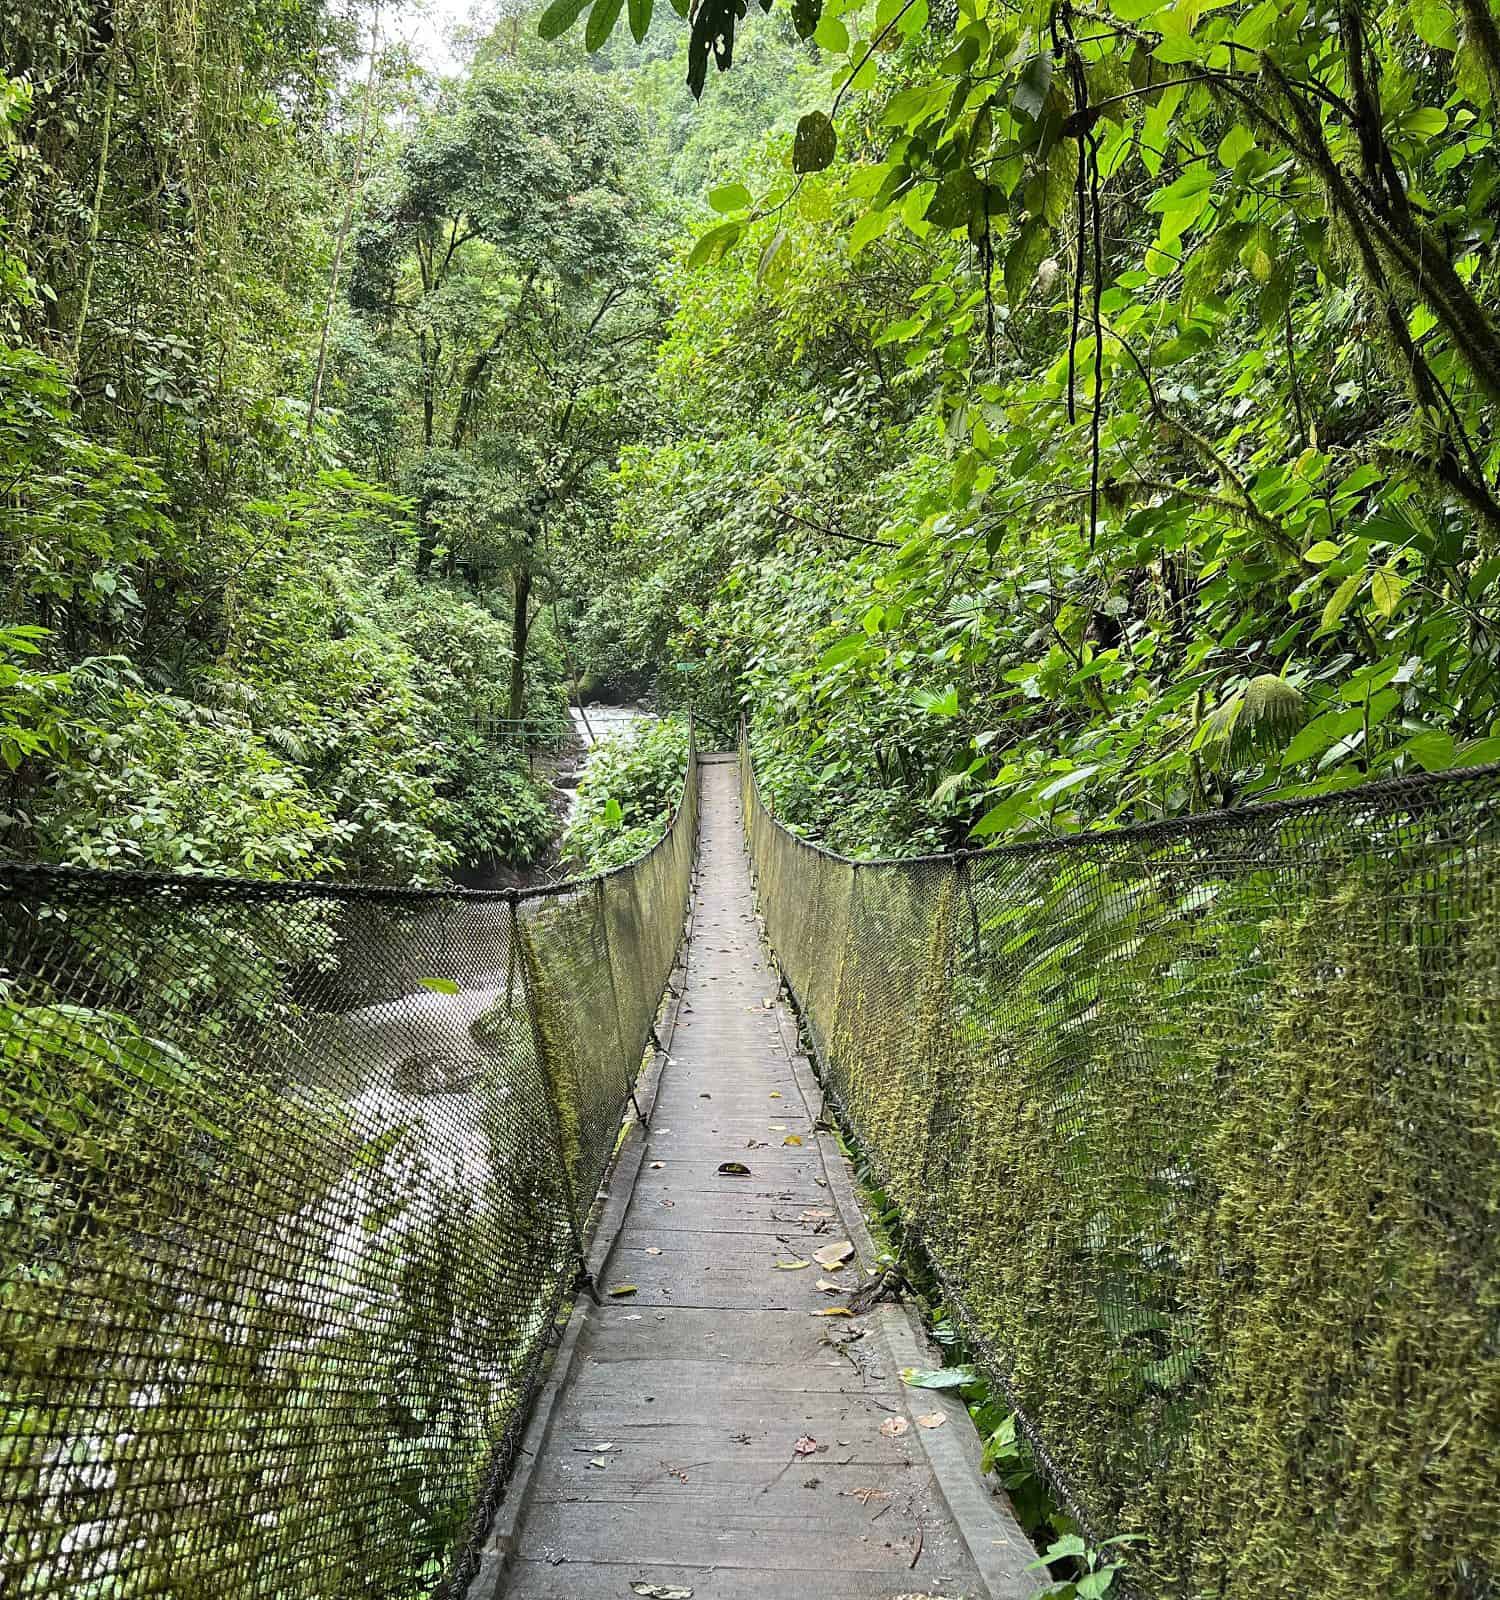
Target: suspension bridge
{"type": "Point", "coordinates": [392, 1243]}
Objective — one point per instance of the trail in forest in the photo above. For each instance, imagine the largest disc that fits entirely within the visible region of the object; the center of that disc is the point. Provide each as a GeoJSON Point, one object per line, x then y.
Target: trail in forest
{"type": "Point", "coordinates": [715, 1433]}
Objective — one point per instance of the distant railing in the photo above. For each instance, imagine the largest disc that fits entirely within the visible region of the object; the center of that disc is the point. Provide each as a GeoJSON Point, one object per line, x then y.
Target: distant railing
{"type": "Point", "coordinates": [294, 1179]}
{"type": "Point", "coordinates": [532, 735]}
{"type": "Point", "coordinates": [1199, 1125]}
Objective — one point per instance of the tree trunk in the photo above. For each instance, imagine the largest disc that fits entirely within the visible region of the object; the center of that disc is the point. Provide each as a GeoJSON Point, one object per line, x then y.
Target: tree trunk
{"type": "Point", "coordinates": [100, 179]}
{"type": "Point", "coordinates": [520, 626]}
{"type": "Point", "coordinates": [426, 533]}
{"type": "Point", "coordinates": [351, 205]}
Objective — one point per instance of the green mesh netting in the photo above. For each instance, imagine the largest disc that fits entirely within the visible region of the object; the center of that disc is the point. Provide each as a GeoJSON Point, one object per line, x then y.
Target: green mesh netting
{"type": "Point", "coordinates": [1199, 1124]}
{"type": "Point", "coordinates": [292, 1181]}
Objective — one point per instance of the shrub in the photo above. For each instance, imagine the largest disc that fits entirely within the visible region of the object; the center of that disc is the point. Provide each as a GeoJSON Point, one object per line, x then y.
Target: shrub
{"type": "Point", "coordinates": [628, 793]}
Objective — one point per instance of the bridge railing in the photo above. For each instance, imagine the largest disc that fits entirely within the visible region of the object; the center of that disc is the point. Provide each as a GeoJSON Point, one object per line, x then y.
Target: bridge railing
{"type": "Point", "coordinates": [531, 735]}
{"type": "Point", "coordinates": [1199, 1125]}
{"type": "Point", "coordinates": [293, 1183]}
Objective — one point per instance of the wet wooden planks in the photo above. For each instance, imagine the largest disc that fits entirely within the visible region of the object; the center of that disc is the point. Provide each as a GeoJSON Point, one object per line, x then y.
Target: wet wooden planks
{"type": "Point", "coordinates": [673, 1454]}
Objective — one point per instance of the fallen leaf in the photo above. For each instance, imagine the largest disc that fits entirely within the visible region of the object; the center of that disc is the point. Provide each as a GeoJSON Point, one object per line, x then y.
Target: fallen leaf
{"type": "Point", "coordinates": [868, 1492]}
{"type": "Point", "coordinates": [620, 1290]}
{"type": "Point", "coordinates": [734, 1169]}
{"type": "Point", "coordinates": [662, 1591]}
{"type": "Point", "coordinates": [652, 1250]}
{"type": "Point", "coordinates": [833, 1256]}
{"type": "Point", "coordinates": [599, 1462]}
{"type": "Point", "coordinates": [767, 1004]}
{"type": "Point", "coordinates": [828, 1286]}
{"type": "Point", "coordinates": [775, 1094]}
{"type": "Point", "coordinates": [792, 1266]}
{"type": "Point", "coordinates": [893, 1427]}
{"type": "Point", "coordinates": [933, 1419]}
{"type": "Point", "coordinates": [656, 1166]}
{"type": "Point", "coordinates": [792, 1138]}
{"type": "Point", "coordinates": [834, 1311]}
{"type": "Point", "coordinates": [937, 1378]}
{"type": "Point", "coordinates": [816, 1214]}
{"type": "Point", "coordinates": [806, 1445]}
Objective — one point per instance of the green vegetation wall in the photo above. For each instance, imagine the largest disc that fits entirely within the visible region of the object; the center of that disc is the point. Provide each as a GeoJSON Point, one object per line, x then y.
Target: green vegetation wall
{"type": "Point", "coordinates": [254, 614]}
{"type": "Point", "coordinates": [1095, 419]}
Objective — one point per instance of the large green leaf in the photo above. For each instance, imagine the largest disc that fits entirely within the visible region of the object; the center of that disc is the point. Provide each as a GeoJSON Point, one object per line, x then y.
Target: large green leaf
{"type": "Point", "coordinates": [559, 17]}
{"type": "Point", "coordinates": [729, 197]}
{"type": "Point", "coordinates": [1035, 79]}
{"type": "Point", "coordinates": [1023, 258]}
{"type": "Point", "coordinates": [713, 244]}
{"type": "Point", "coordinates": [603, 15]}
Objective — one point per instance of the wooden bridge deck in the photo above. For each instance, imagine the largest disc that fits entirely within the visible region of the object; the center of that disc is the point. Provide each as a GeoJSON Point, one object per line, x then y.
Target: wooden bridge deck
{"type": "Point", "coordinates": [712, 1433]}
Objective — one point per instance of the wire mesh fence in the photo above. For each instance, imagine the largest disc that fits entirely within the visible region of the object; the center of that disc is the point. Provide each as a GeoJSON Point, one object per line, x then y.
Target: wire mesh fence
{"type": "Point", "coordinates": [292, 1183]}
{"type": "Point", "coordinates": [1199, 1124]}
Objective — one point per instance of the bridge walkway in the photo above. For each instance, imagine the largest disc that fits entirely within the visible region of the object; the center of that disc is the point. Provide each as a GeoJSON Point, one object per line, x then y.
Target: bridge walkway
{"type": "Point", "coordinates": [713, 1433]}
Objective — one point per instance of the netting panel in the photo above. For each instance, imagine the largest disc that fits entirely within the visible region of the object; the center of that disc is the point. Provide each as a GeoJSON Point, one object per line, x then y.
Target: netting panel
{"type": "Point", "coordinates": [1200, 1125]}
{"type": "Point", "coordinates": [291, 1179]}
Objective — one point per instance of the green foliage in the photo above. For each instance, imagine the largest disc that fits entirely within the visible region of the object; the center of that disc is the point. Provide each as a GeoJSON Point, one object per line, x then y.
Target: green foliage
{"type": "Point", "coordinates": [501, 813]}
{"type": "Point", "coordinates": [1066, 607]}
{"type": "Point", "coordinates": [628, 794]}
{"type": "Point", "coordinates": [328, 728]}
{"type": "Point", "coordinates": [215, 656]}
{"type": "Point", "coordinates": [168, 785]}
{"type": "Point", "coordinates": [508, 270]}
{"type": "Point", "coordinates": [83, 519]}
{"type": "Point", "coordinates": [1093, 1568]}
{"type": "Point", "coordinates": [32, 703]}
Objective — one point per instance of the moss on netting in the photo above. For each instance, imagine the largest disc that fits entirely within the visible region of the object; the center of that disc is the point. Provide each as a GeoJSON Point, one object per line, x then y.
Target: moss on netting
{"type": "Point", "coordinates": [1203, 1131]}
{"type": "Point", "coordinates": [596, 961]}
{"type": "Point", "coordinates": [177, 1380]}
{"type": "Point", "coordinates": [1353, 1309]}
{"type": "Point", "coordinates": [887, 1039]}
{"type": "Point", "coordinates": [273, 1293]}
